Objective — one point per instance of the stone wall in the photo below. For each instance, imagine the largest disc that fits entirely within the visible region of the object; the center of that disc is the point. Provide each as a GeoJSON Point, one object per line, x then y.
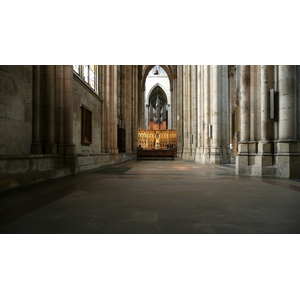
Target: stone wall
{"type": "Point", "coordinates": [93, 155]}
{"type": "Point", "coordinates": [15, 109]}
{"type": "Point", "coordinates": [84, 95]}
{"type": "Point", "coordinates": [269, 143]}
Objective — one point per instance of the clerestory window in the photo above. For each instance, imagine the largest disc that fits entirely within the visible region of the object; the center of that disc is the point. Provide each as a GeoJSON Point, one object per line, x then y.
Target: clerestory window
{"type": "Point", "coordinates": [89, 73]}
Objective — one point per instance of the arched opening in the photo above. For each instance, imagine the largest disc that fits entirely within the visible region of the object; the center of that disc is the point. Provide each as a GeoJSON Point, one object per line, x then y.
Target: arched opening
{"type": "Point", "coordinates": [157, 109]}
{"type": "Point", "coordinates": [156, 98]}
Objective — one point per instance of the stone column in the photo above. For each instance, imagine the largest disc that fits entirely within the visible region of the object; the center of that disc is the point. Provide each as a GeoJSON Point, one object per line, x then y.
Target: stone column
{"type": "Point", "coordinates": [242, 159]}
{"type": "Point", "coordinates": [253, 101]}
{"type": "Point", "coordinates": [264, 103]}
{"type": "Point", "coordinates": [68, 111]}
{"type": "Point", "coordinates": [36, 146]}
{"type": "Point", "coordinates": [193, 107]}
{"type": "Point", "coordinates": [187, 113]}
{"type": "Point", "coordinates": [134, 110]}
{"type": "Point", "coordinates": [59, 108]}
{"type": "Point", "coordinates": [202, 114]}
{"type": "Point", "coordinates": [225, 116]}
{"type": "Point", "coordinates": [245, 103]}
{"type": "Point", "coordinates": [288, 147]}
{"type": "Point", "coordinates": [49, 146]}
{"type": "Point", "coordinates": [114, 113]}
{"type": "Point", "coordinates": [264, 159]}
{"type": "Point", "coordinates": [107, 104]}
{"type": "Point", "coordinates": [127, 110]}
{"type": "Point", "coordinates": [199, 114]}
{"type": "Point", "coordinates": [216, 116]}
{"type": "Point", "coordinates": [103, 110]}
{"type": "Point", "coordinates": [188, 155]}
{"type": "Point", "coordinates": [252, 113]}
{"type": "Point", "coordinates": [206, 111]}
{"type": "Point", "coordinates": [184, 113]}
{"type": "Point", "coordinates": [170, 102]}
{"type": "Point", "coordinates": [172, 109]}
{"type": "Point", "coordinates": [179, 116]}
{"type": "Point", "coordinates": [142, 111]}
{"type": "Point", "coordinates": [70, 158]}
{"type": "Point", "coordinates": [287, 103]}
{"type": "Point", "coordinates": [234, 111]}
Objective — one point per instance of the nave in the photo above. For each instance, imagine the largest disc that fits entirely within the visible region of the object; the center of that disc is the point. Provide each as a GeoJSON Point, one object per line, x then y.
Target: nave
{"type": "Point", "coordinates": [154, 197]}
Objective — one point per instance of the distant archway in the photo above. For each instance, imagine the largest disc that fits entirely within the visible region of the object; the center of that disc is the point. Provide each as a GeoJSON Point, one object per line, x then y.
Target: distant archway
{"type": "Point", "coordinates": [157, 91]}
{"type": "Point", "coordinates": [146, 97]}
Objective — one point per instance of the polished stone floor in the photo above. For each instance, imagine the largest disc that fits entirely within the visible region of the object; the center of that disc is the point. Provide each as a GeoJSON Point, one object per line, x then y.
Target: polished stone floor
{"type": "Point", "coordinates": [169, 197]}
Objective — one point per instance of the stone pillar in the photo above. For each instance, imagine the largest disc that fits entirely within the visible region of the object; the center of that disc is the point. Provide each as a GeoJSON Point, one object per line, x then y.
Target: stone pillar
{"type": "Point", "coordinates": [242, 159]}
{"type": "Point", "coordinates": [189, 116]}
{"type": "Point", "coordinates": [264, 160]}
{"type": "Point", "coordinates": [206, 111]}
{"type": "Point", "coordinates": [170, 102]}
{"type": "Point", "coordinates": [173, 104]}
{"type": "Point", "coordinates": [245, 103]}
{"type": "Point", "coordinates": [68, 111]}
{"type": "Point", "coordinates": [59, 108]}
{"type": "Point", "coordinates": [142, 111]}
{"type": "Point", "coordinates": [49, 146]}
{"type": "Point", "coordinates": [224, 116]}
{"type": "Point", "coordinates": [199, 113]}
{"type": "Point", "coordinates": [107, 103]}
{"type": "Point", "coordinates": [187, 113]}
{"type": "Point", "coordinates": [179, 116]}
{"type": "Point", "coordinates": [36, 146]}
{"type": "Point", "coordinates": [264, 103]}
{"type": "Point", "coordinates": [184, 113]}
{"type": "Point", "coordinates": [193, 107]}
{"type": "Point", "coordinates": [113, 109]}
{"type": "Point", "coordinates": [103, 110]}
{"type": "Point", "coordinates": [216, 115]}
{"type": "Point", "coordinates": [288, 147]}
{"type": "Point", "coordinates": [127, 110]}
{"type": "Point", "coordinates": [253, 102]}
{"type": "Point", "coordinates": [287, 103]}
{"type": "Point", "coordinates": [134, 110]}
{"type": "Point", "coordinates": [234, 110]}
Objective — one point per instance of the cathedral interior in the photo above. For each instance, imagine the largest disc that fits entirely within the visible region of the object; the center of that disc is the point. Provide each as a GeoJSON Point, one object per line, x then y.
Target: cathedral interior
{"type": "Point", "coordinates": [167, 123]}
{"type": "Point", "coordinates": [174, 180]}
{"type": "Point", "coordinates": [150, 150]}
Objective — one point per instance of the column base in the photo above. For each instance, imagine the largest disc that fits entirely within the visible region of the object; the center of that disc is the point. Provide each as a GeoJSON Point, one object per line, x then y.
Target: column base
{"type": "Point", "coordinates": [198, 154]}
{"type": "Point", "coordinates": [37, 148]}
{"type": "Point", "coordinates": [288, 159]}
{"type": "Point", "coordinates": [284, 163]}
{"type": "Point", "coordinates": [66, 149]}
{"type": "Point", "coordinates": [188, 154]}
{"type": "Point", "coordinates": [246, 158]}
{"type": "Point", "coordinates": [70, 162]}
{"type": "Point", "coordinates": [50, 148]}
{"type": "Point", "coordinates": [215, 156]}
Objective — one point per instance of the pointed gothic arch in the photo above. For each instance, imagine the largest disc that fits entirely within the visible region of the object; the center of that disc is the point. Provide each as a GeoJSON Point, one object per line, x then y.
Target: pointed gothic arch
{"type": "Point", "coordinates": [157, 90]}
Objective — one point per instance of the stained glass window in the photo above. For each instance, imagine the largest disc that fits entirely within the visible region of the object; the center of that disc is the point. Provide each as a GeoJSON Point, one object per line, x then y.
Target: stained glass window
{"type": "Point", "coordinates": [88, 73]}
{"type": "Point", "coordinates": [92, 76]}
{"type": "Point", "coordinates": [76, 68]}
